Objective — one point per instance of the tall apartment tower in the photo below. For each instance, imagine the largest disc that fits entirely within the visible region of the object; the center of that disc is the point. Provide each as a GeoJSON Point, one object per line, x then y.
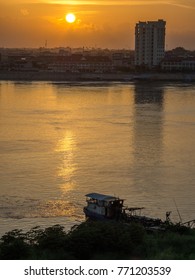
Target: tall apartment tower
{"type": "Point", "coordinates": [149, 43]}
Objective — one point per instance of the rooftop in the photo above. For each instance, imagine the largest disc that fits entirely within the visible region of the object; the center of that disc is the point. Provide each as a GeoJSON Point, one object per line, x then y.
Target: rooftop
{"type": "Point", "coordinates": [99, 196]}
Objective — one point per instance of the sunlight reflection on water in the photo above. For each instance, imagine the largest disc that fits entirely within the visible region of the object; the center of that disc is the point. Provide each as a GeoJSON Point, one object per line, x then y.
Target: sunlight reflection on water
{"type": "Point", "coordinates": [61, 141]}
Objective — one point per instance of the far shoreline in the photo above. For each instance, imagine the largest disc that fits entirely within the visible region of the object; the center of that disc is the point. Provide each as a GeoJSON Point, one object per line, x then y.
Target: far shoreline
{"type": "Point", "coordinates": [96, 77]}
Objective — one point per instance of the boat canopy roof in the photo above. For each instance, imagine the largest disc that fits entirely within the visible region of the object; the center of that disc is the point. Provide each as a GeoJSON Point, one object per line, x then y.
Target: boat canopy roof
{"type": "Point", "coordinates": [102, 197]}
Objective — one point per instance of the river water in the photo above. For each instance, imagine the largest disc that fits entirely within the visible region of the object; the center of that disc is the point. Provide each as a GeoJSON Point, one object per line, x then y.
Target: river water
{"type": "Point", "coordinates": [60, 141]}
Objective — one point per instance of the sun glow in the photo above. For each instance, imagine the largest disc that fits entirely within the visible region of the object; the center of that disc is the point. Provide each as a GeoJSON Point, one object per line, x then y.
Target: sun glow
{"type": "Point", "coordinates": [70, 18]}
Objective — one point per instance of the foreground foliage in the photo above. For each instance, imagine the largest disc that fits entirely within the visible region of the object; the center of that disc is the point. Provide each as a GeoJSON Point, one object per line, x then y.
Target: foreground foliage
{"type": "Point", "coordinates": [98, 240]}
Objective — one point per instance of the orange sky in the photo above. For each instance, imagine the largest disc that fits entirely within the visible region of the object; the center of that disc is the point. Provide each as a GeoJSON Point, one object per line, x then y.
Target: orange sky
{"type": "Point", "coordinates": [99, 23]}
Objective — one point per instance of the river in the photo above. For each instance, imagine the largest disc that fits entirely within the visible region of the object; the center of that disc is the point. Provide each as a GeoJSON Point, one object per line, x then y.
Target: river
{"type": "Point", "coordinates": [60, 141]}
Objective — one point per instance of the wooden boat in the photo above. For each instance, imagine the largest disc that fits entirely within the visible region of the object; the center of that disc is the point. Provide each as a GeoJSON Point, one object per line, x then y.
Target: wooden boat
{"type": "Point", "coordinates": [106, 207]}
{"type": "Point", "coordinates": [103, 207]}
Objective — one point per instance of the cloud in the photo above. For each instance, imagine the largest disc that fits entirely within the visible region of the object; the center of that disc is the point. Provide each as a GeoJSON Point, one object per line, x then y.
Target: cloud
{"type": "Point", "coordinates": [182, 4]}
{"type": "Point", "coordinates": [24, 12]}
{"type": "Point", "coordinates": [188, 4]}
{"type": "Point", "coordinates": [107, 2]}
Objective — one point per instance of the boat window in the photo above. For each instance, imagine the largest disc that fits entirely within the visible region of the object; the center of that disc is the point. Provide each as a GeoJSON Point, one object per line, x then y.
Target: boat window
{"type": "Point", "coordinates": [100, 203]}
{"type": "Point", "coordinates": [94, 201]}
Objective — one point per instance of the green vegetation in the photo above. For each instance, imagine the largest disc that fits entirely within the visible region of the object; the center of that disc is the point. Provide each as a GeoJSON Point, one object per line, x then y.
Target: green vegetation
{"type": "Point", "coordinates": [98, 240]}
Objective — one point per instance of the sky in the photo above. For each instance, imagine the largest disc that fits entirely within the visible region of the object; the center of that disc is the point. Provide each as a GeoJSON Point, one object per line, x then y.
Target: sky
{"type": "Point", "coordinates": [98, 24]}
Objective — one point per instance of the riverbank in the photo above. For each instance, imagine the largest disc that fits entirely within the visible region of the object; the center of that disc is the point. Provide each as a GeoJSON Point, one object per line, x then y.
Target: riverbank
{"type": "Point", "coordinates": [99, 240]}
{"type": "Point", "coordinates": [63, 76]}
{"type": "Point", "coordinates": [120, 77]}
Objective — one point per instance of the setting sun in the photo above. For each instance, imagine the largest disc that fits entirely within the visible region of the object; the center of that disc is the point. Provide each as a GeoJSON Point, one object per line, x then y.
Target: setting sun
{"type": "Point", "coordinates": [70, 18]}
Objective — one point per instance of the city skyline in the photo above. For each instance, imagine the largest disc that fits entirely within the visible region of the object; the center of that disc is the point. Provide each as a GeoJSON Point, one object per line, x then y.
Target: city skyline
{"type": "Point", "coordinates": [99, 24]}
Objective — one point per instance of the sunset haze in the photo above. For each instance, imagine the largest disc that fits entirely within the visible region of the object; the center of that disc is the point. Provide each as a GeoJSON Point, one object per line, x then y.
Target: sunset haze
{"type": "Point", "coordinates": [99, 24]}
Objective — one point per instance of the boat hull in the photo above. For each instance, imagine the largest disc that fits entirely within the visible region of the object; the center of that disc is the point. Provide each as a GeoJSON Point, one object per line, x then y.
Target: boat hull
{"type": "Point", "coordinates": [94, 216]}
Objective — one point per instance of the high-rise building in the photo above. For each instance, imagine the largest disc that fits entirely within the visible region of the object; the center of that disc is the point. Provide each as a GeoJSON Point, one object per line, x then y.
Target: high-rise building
{"type": "Point", "coordinates": [149, 43]}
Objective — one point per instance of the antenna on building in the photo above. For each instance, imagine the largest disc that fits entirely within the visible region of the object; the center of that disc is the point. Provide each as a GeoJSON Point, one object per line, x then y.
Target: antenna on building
{"type": "Point", "coordinates": [45, 43]}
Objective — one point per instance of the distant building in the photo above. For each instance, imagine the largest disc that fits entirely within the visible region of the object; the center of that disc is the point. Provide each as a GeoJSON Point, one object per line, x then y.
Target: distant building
{"type": "Point", "coordinates": [178, 64]}
{"type": "Point", "coordinates": [79, 63]}
{"type": "Point", "coordinates": [123, 60]}
{"type": "Point", "coordinates": [149, 43]}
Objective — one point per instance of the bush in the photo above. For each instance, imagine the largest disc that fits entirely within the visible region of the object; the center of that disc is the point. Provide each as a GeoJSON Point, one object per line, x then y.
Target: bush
{"type": "Point", "coordinates": [13, 246]}
{"type": "Point", "coordinates": [98, 240]}
{"type": "Point", "coordinates": [101, 238]}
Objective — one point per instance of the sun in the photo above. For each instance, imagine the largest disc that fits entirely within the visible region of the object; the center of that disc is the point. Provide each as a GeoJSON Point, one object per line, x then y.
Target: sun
{"type": "Point", "coordinates": [70, 18]}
